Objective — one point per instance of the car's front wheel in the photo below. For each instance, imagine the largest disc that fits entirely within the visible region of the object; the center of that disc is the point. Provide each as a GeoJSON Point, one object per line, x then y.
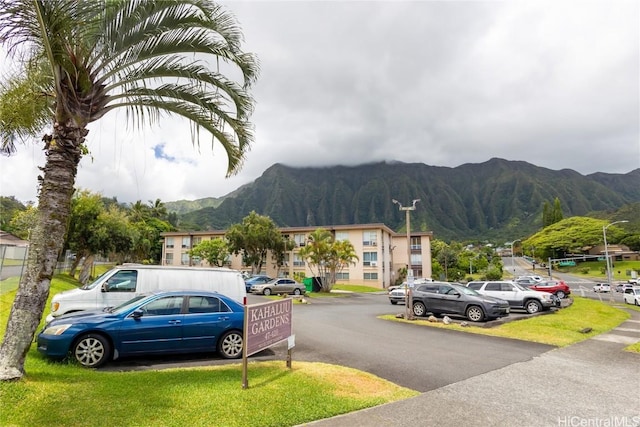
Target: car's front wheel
{"type": "Point", "coordinates": [393, 302]}
{"type": "Point", "coordinates": [560, 294]}
{"type": "Point", "coordinates": [266, 291]}
{"type": "Point", "coordinates": [419, 309]}
{"type": "Point", "coordinates": [475, 313]}
{"type": "Point", "coordinates": [533, 306]}
{"type": "Point", "coordinates": [92, 350]}
{"type": "Point", "coordinates": [230, 345]}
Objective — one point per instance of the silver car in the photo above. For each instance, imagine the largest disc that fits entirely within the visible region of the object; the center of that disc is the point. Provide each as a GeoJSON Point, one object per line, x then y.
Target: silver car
{"type": "Point", "coordinates": [279, 286]}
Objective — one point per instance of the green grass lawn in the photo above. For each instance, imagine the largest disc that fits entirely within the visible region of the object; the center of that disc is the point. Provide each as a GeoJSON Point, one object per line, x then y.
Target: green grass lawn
{"type": "Point", "coordinates": [560, 329]}
{"type": "Point", "coordinates": [621, 270]}
{"type": "Point", "coordinates": [64, 394]}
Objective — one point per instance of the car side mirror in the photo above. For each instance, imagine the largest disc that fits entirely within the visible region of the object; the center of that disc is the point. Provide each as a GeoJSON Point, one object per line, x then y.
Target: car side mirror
{"type": "Point", "coordinates": [105, 287]}
{"type": "Point", "coordinates": [137, 314]}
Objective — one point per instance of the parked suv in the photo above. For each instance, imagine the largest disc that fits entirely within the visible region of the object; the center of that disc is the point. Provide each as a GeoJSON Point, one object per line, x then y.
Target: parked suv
{"type": "Point", "coordinates": [632, 295]}
{"type": "Point", "coordinates": [452, 298]}
{"type": "Point", "coordinates": [517, 295]}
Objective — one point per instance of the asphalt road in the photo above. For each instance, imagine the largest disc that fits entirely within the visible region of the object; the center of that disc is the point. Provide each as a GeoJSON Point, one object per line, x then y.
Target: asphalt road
{"type": "Point", "coordinates": [346, 331]}
{"type": "Point", "coordinates": [579, 286]}
{"type": "Point", "coordinates": [10, 271]}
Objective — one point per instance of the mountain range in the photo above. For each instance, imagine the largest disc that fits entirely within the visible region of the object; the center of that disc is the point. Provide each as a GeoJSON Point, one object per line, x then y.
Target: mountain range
{"type": "Point", "coordinates": [495, 199]}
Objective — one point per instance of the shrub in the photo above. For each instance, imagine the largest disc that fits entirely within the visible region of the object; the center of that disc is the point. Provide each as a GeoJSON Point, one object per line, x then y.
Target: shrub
{"type": "Point", "coordinates": [494, 274]}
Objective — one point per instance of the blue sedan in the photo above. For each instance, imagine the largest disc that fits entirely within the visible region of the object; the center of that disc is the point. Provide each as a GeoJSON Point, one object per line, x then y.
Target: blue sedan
{"type": "Point", "coordinates": [159, 323]}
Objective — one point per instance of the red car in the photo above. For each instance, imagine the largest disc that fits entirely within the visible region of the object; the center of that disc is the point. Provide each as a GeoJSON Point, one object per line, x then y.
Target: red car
{"type": "Point", "coordinates": [557, 287]}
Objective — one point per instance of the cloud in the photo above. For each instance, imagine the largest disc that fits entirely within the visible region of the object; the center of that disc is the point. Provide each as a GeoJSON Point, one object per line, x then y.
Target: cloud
{"type": "Point", "coordinates": [442, 83]}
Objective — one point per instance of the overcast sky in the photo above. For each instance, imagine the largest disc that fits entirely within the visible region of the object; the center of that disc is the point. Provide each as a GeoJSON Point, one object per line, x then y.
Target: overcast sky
{"type": "Point", "coordinates": [442, 83]}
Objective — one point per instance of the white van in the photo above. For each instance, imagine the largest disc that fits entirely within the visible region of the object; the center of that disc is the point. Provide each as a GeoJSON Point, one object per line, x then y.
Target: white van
{"type": "Point", "coordinates": [123, 282]}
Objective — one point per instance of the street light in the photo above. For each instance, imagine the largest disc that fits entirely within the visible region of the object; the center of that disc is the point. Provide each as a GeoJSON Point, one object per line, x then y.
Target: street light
{"type": "Point", "coordinates": [606, 249]}
{"type": "Point", "coordinates": [513, 261]}
{"type": "Point", "coordinates": [409, 299]}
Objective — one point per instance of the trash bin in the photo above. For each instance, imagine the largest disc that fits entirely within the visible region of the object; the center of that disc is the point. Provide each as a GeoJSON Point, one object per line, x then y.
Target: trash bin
{"type": "Point", "coordinates": [308, 283]}
{"type": "Point", "coordinates": [316, 284]}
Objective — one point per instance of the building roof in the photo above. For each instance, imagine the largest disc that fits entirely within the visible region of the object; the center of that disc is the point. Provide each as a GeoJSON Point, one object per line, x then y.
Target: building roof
{"type": "Point", "coordinates": [8, 239]}
{"type": "Point", "coordinates": [289, 230]}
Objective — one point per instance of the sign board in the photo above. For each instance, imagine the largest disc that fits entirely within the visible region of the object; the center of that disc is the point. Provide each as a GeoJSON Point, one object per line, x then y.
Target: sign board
{"type": "Point", "coordinates": [266, 324]}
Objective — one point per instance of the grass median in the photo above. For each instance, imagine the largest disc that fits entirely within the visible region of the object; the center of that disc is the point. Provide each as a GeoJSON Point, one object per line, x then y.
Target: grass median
{"type": "Point", "coordinates": [583, 319]}
{"type": "Point", "coordinates": [63, 393]}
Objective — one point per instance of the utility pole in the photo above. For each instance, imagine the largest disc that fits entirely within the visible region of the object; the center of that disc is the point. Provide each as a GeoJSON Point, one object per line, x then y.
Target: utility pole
{"type": "Point", "coordinates": [409, 297]}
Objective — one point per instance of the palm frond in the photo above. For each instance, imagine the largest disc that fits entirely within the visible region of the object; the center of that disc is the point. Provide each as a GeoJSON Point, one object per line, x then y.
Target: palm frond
{"type": "Point", "coordinates": [148, 56]}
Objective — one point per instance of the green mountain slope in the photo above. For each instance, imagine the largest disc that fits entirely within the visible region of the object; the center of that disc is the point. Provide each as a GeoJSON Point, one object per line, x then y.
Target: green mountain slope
{"type": "Point", "coordinates": [494, 198]}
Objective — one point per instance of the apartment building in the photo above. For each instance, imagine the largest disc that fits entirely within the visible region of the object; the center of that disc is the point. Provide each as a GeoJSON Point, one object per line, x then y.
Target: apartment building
{"type": "Point", "coordinates": [381, 252]}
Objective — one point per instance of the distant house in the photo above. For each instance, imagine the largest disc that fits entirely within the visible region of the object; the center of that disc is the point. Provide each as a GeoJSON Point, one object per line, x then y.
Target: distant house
{"type": "Point", "coordinates": [616, 252]}
{"type": "Point", "coordinates": [12, 247]}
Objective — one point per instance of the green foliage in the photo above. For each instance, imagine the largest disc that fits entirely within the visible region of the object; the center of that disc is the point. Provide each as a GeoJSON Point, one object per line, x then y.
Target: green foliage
{"type": "Point", "coordinates": [327, 256]}
{"type": "Point", "coordinates": [9, 207]}
{"type": "Point", "coordinates": [214, 251]}
{"type": "Point", "coordinates": [571, 235]}
{"type": "Point", "coordinates": [494, 273]}
{"type": "Point", "coordinates": [23, 222]}
{"type": "Point", "coordinates": [254, 238]}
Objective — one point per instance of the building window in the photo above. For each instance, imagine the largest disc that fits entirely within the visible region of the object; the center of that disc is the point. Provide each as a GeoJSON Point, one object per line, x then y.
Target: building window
{"type": "Point", "coordinates": [169, 242]}
{"type": "Point", "coordinates": [185, 242]}
{"type": "Point", "coordinates": [298, 261]}
{"type": "Point", "coordinates": [370, 259]}
{"type": "Point", "coordinates": [168, 258]}
{"type": "Point", "coordinates": [370, 238]}
{"type": "Point", "coordinates": [196, 240]}
{"type": "Point", "coordinates": [342, 276]}
{"type": "Point", "coordinates": [416, 259]}
{"type": "Point", "coordinates": [416, 244]}
{"type": "Point", "coordinates": [184, 260]}
{"type": "Point", "coordinates": [300, 239]}
{"type": "Point", "coordinates": [342, 236]}
{"type": "Point", "coordinates": [370, 276]}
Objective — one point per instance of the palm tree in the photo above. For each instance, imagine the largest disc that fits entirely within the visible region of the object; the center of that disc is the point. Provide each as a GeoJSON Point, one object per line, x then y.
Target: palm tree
{"type": "Point", "coordinates": [81, 60]}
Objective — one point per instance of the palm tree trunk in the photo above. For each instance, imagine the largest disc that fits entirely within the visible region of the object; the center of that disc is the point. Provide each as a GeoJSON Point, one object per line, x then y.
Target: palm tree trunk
{"type": "Point", "coordinates": [64, 151]}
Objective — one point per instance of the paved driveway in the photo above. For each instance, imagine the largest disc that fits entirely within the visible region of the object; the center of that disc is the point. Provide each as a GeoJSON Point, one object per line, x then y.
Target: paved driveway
{"type": "Point", "coordinates": [346, 331]}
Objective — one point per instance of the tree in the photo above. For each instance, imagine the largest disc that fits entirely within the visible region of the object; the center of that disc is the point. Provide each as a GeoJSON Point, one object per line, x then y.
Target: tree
{"type": "Point", "coordinates": [83, 218]}
{"type": "Point", "coordinates": [214, 251]}
{"type": "Point", "coordinates": [317, 252]}
{"type": "Point", "coordinates": [557, 211]}
{"type": "Point", "coordinates": [327, 256]}
{"type": "Point", "coordinates": [149, 221]}
{"type": "Point", "coordinates": [572, 235]}
{"type": "Point", "coordinates": [9, 207]}
{"type": "Point", "coordinates": [254, 238]}
{"type": "Point", "coordinates": [82, 60]}
{"type": "Point", "coordinates": [23, 222]}
{"type": "Point", "coordinates": [278, 251]}
{"type": "Point", "coordinates": [551, 215]}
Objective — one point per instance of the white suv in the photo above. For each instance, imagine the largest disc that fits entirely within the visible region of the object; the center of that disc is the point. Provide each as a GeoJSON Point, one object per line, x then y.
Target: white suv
{"type": "Point", "coordinates": [632, 295]}
{"type": "Point", "coordinates": [517, 295]}
{"type": "Point", "coordinates": [602, 287]}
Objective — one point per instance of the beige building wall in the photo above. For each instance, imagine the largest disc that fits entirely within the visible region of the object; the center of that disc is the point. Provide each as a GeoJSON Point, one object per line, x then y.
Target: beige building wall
{"type": "Point", "coordinates": [381, 253]}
